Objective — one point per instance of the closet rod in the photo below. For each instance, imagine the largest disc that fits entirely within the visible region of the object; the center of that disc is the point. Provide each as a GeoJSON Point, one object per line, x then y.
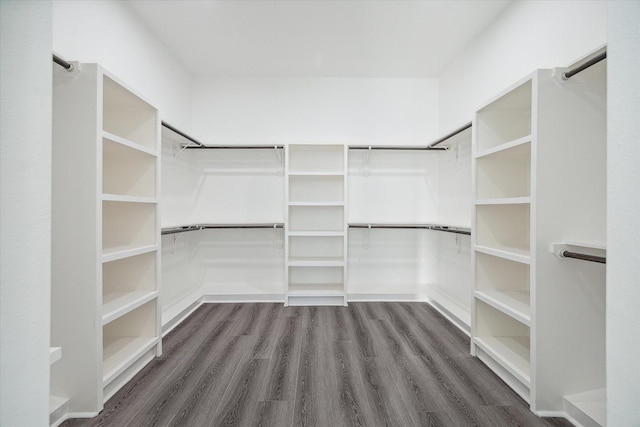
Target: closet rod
{"type": "Point", "coordinates": [394, 147]}
{"type": "Point", "coordinates": [237, 147]}
{"type": "Point", "coordinates": [433, 227]}
{"type": "Point", "coordinates": [450, 135]}
{"type": "Point", "coordinates": [182, 134]}
{"type": "Point", "coordinates": [568, 74]}
{"type": "Point", "coordinates": [61, 62]}
{"type": "Point", "coordinates": [175, 230]}
{"type": "Point", "coordinates": [584, 257]}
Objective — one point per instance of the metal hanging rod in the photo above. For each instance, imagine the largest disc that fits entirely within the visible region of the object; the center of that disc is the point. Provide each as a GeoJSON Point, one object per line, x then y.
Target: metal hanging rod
{"type": "Point", "coordinates": [434, 227]}
{"type": "Point", "coordinates": [449, 135]}
{"type": "Point", "coordinates": [197, 227]}
{"type": "Point", "coordinates": [236, 147]}
{"type": "Point", "coordinates": [61, 62]}
{"type": "Point", "coordinates": [568, 74]}
{"type": "Point", "coordinates": [576, 255]}
{"type": "Point", "coordinates": [430, 147]}
{"type": "Point", "coordinates": [394, 147]}
{"type": "Point", "coordinates": [182, 134]}
{"type": "Point", "coordinates": [176, 230]}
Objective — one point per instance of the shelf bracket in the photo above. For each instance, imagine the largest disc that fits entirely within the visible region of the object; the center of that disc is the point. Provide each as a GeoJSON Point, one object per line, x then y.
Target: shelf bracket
{"type": "Point", "coordinates": [280, 161]}
{"type": "Point", "coordinates": [367, 235]}
{"type": "Point", "coordinates": [279, 236]}
{"type": "Point", "coordinates": [366, 167]}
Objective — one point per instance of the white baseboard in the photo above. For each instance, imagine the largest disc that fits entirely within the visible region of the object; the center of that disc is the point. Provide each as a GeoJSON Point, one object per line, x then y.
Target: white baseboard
{"type": "Point", "coordinates": [170, 324]}
{"type": "Point", "coordinates": [459, 323]}
{"type": "Point", "coordinates": [239, 298]}
{"type": "Point", "coordinates": [386, 298]}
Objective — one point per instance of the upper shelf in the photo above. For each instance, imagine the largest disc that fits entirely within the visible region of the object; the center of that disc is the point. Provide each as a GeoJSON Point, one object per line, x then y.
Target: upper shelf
{"type": "Point", "coordinates": [128, 116]}
{"type": "Point", "coordinates": [505, 119]}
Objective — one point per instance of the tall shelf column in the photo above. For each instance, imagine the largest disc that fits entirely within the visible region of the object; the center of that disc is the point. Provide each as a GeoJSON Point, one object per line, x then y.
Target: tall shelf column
{"type": "Point", "coordinates": [316, 228]}
{"type": "Point", "coordinates": [106, 233]}
{"type": "Point", "coordinates": [540, 180]}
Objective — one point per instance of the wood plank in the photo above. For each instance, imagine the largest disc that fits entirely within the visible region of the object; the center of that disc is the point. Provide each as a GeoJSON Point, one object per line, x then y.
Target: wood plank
{"type": "Point", "coordinates": [311, 406]}
{"type": "Point", "coordinates": [283, 366]}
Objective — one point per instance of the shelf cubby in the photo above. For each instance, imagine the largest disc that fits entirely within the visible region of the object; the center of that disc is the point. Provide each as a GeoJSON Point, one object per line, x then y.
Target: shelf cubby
{"type": "Point", "coordinates": [309, 189]}
{"type": "Point", "coordinates": [316, 159]}
{"type": "Point", "coordinates": [504, 174]}
{"type": "Point", "coordinates": [128, 116]}
{"type": "Point", "coordinates": [504, 284]}
{"type": "Point", "coordinates": [506, 119]}
{"type": "Point", "coordinates": [127, 225]}
{"type": "Point", "coordinates": [127, 171]}
{"type": "Point", "coordinates": [126, 284]}
{"type": "Point", "coordinates": [504, 227]}
{"type": "Point", "coordinates": [316, 218]}
{"type": "Point", "coordinates": [505, 339]}
{"type": "Point", "coordinates": [126, 338]}
{"type": "Point", "coordinates": [312, 280]}
{"type": "Point", "coordinates": [320, 251]}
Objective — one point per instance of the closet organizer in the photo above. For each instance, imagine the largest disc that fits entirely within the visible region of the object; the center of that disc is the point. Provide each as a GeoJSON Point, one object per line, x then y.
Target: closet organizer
{"type": "Point", "coordinates": [105, 315]}
{"type": "Point", "coordinates": [539, 191]}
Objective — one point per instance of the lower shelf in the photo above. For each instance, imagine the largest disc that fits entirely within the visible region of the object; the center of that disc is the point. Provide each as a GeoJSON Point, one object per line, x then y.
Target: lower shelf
{"type": "Point", "coordinates": [460, 314]}
{"type": "Point", "coordinates": [316, 290]}
{"type": "Point", "coordinates": [512, 353]}
{"type": "Point", "coordinates": [120, 353]}
{"type": "Point", "coordinates": [588, 408]}
{"type": "Point", "coordinates": [57, 410]}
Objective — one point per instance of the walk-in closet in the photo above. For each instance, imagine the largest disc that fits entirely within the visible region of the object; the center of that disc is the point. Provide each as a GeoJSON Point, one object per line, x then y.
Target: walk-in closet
{"type": "Point", "coordinates": [315, 213]}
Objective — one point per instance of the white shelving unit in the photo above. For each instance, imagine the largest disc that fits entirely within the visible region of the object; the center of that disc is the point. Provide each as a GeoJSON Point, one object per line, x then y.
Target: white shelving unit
{"type": "Point", "coordinates": [539, 178]}
{"type": "Point", "coordinates": [106, 229]}
{"type": "Point", "coordinates": [316, 229]}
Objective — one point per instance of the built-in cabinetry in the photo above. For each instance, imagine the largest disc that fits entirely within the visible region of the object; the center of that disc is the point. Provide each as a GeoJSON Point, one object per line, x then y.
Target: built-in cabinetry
{"type": "Point", "coordinates": [316, 232]}
{"type": "Point", "coordinates": [539, 178]}
{"type": "Point", "coordinates": [105, 254]}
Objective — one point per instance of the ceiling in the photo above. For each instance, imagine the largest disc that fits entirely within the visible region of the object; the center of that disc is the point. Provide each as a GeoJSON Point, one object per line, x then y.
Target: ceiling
{"type": "Point", "coordinates": [321, 38]}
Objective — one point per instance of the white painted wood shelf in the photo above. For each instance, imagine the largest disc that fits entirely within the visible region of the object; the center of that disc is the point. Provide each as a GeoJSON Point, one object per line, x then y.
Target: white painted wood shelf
{"type": "Point", "coordinates": [120, 353]}
{"type": "Point", "coordinates": [589, 408]}
{"type": "Point", "coordinates": [513, 353]}
{"type": "Point", "coordinates": [513, 303]}
{"type": "Point", "coordinates": [117, 304]}
{"type": "Point", "coordinates": [518, 254]}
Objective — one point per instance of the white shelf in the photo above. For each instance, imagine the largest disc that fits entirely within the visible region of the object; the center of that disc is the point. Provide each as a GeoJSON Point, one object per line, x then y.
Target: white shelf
{"type": "Point", "coordinates": [589, 407]}
{"type": "Point", "coordinates": [315, 262]}
{"type": "Point", "coordinates": [504, 201]}
{"type": "Point", "coordinates": [504, 147]}
{"type": "Point", "coordinates": [128, 199]}
{"type": "Point", "coordinates": [120, 353]}
{"type": "Point", "coordinates": [127, 143]}
{"type": "Point", "coordinates": [116, 304]}
{"type": "Point", "coordinates": [316, 204]}
{"type": "Point", "coordinates": [55, 354]}
{"type": "Point", "coordinates": [512, 353]}
{"type": "Point", "coordinates": [113, 254]}
{"type": "Point", "coordinates": [512, 303]}
{"type": "Point", "coordinates": [316, 290]}
{"type": "Point", "coordinates": [316, 233]}
{"type": "Point", "coordinates": [518, 254]}
{"type": "Point", "coordinates": [316, 173]}
{"type": "Point", "coordinates": [57, 410]}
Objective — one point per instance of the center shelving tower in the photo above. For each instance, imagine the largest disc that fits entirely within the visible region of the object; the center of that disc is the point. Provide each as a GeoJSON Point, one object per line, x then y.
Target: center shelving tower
{"type": "Point", "coordinates": [316, 228]}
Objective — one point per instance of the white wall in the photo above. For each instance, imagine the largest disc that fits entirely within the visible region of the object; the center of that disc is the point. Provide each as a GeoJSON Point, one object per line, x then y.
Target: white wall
{"type": "Point", "coordinates": [111, 34]}
{"type": "Point", "coordinates": [25, 216]}
{"type": "Point", "coordinates": [526, 36]}
{"type": "Point", "coordinates": [228, 110]}
{"type": "Point", "coordinates": [623, 211]}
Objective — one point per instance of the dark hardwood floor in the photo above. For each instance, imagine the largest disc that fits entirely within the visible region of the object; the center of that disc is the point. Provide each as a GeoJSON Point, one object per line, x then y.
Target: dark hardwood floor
{"type": "Point", "coordinates": [368, 364]}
